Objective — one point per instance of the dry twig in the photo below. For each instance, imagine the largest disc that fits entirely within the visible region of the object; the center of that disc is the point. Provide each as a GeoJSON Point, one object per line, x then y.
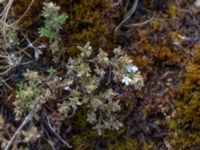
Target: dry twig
{"type": "Point", "coordinates": [127, 15]}
{"type": "Point", "coordinates": [57, 135]}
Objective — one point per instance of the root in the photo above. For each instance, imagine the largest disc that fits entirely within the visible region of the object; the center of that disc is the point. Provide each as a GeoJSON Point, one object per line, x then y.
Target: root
{"type": "Point", "coordinates": [127, 15]}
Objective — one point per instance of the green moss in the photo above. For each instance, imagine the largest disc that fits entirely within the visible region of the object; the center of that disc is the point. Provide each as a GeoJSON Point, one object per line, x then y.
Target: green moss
{"type": "Point", "coordinates": [126, 144]}
{"type": "Point", "coordinates": [80, 143]}
{"type": "Point", "coordinates": [172, 124]}
{"type": "Point", "coordinates": [84, 138]}
{"type": "Point", "coordinates": [186, 133]}
{"type": "Point", "coordinates": [111, 142]}
{"type": "Point", "coordinates": [172, 12]}
{"type": "Point", "coordinates": [155, 24]}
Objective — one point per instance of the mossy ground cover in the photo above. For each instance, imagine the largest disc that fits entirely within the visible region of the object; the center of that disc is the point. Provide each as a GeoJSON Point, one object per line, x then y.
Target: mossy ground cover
{"type": "Point", "coordinates": [162, 38]}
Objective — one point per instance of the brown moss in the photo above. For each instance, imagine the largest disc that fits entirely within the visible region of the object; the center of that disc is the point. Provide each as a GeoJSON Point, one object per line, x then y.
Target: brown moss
{"type": "Point", "coordinates": [31, 21]}
{"type": "Point", "coordinates": [146, 55]}
{"type": "Point", "coordinates": [89, 20]}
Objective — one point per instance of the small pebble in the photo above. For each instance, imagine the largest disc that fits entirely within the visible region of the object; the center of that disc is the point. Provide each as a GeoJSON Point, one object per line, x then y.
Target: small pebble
{"type": "Point", "coordinates": [1, 1]}
{"type": "Point", "coordinates": [197, 3]}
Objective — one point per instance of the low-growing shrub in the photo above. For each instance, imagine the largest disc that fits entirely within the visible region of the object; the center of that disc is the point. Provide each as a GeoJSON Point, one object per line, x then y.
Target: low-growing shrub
{"type": "Point", "coordinates": [89, 82]}
{"type": "Point", "coordinates": [53, 21]}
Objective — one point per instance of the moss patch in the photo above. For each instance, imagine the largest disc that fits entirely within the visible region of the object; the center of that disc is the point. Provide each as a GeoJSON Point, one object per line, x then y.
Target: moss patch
{"type": "Point", "coordinates": [89, 20]}
{"type": "Point", "coordinates": [186, 130]}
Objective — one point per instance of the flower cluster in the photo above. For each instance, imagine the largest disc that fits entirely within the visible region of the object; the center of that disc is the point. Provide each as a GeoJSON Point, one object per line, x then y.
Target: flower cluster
{"type": "Point", "coordinates": [9, 38]}
{"type": "Point", "coordinates": [103, 111]}
{"type": "Point", "coordinates": [88, 83]}
{"type": "Point", "coordinates": [85, 80]}
{"type": "Point", "coordinates": [125, 71]}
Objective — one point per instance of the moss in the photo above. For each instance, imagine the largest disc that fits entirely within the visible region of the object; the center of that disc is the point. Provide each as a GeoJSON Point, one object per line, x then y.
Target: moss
{"type": "Point", "coordinates": [110, 141]}
{"type": "Point", "coordinates": [149, 54]}
{"type": "Point", "coordinates": [81, 143]}
{"type": "Point", "coordinates": [155, 24]}
{"type": "Point", "coordinates": [84, 138]}
{"type": "Point", "coordinates": [186, 132]}
{"type": "Point", "coordinates": [89, 20]}
{"type": "Point", "coordinates": [154, 47]}
{"type": "Point", "coordinates": [172, 124]}
{"type": "Point", "coordinates": [126, 144]}
{"type": "Point", "coordinates": [172, 12]}
{"type": "Point", "coordinates": [31, 20]}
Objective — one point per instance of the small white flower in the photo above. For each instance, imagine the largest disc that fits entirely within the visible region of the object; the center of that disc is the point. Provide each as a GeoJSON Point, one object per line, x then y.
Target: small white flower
{"type": "Point", "coordinates": [126, 80]}
{"type": "Point", "coordinates": [51, 4]}
{"type": "Point", "coordinates": [131, 68]}
{"type": "Point", "coordinates": [42, 46]}
{"type": "Point", "coordinates": [38, 52]}
{"type": "Point", "coordinates": [30, 45]}
{"type": "Point", "coordinates": [67, 88]}
{"type": "Point", "coordinates": [11, 40]}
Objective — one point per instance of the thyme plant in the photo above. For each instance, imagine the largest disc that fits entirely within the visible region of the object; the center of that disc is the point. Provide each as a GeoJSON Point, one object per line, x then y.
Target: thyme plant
{"type": "Point", "coordinates": [53, 21]}
{"type": "Point", "coordinates": [89, 83]}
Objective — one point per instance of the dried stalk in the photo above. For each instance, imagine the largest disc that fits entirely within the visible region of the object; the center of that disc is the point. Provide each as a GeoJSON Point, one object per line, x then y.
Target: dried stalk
{"type": "Point", "coordinates": [128, 15]}
{"type": "Point", "coordinates": [57, 135]}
